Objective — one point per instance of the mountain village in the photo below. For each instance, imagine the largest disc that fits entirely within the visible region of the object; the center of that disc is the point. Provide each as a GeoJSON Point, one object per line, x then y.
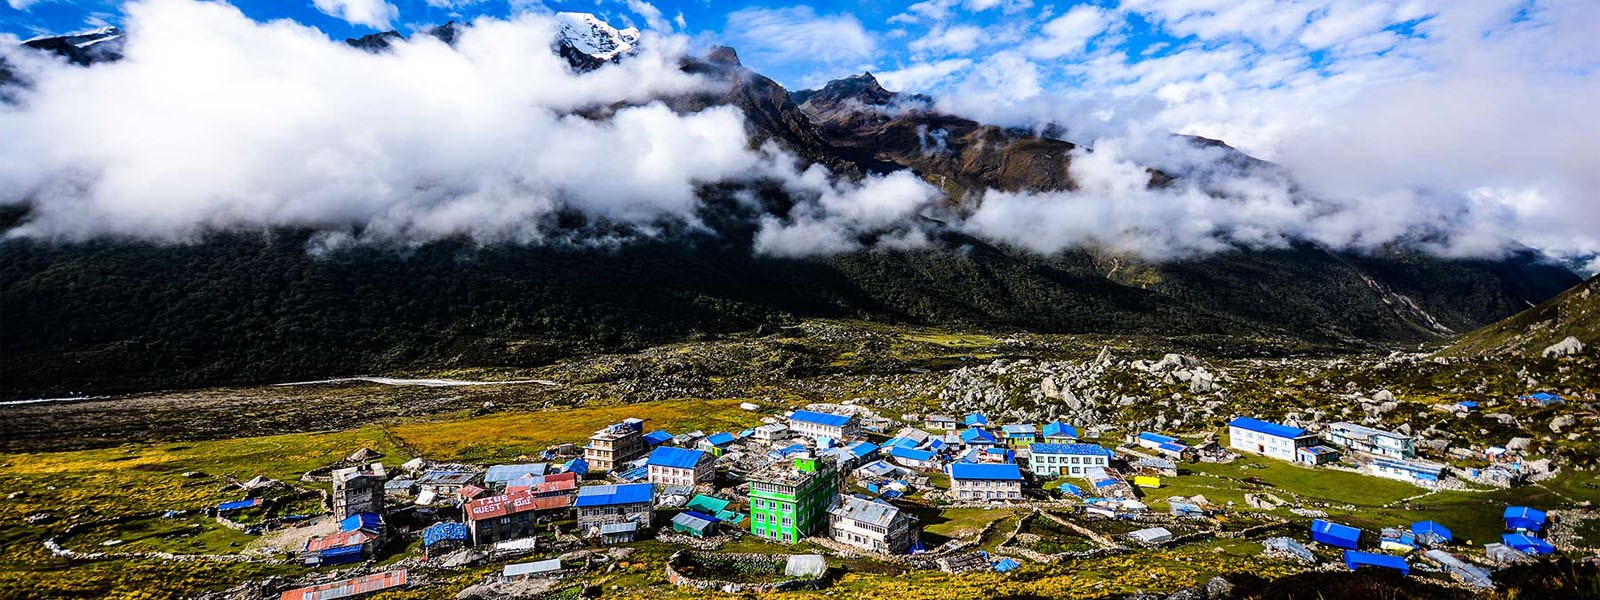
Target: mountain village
{"type": "Point", "coordinates": [848, 483]}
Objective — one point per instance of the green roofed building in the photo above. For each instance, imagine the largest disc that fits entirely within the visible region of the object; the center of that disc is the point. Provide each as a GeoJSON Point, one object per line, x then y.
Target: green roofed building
{"type": "Point", "coordinates": [789, 500]}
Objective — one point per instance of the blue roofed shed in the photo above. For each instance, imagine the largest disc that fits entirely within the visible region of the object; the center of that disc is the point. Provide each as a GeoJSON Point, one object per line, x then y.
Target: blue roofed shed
{"type": "Point", "coordinates": [975, 420]}
{"type": "Point", "coordinates": [1334, 534]}
{"type": "Point", "coordinates": [976, 437]}
{"type": "Point", "coordinates": [1355, 560]}
{"type": "Point", "coordinates": [612, 495]}
{"type": "Point", "coordinates": [657, 437]}
{"type": "Point", "coordinates": [1527, 544]}
{"type": "Point", "coordinates": [1522, 518]}
{"type": "Point", "coordinates": [1058, 432]}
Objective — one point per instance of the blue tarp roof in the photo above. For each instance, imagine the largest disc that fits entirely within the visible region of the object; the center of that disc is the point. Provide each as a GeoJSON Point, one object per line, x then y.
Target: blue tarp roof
{"type": "Point", "coordinates": [658, 437]}
{"type": "Point", "coordinates": [1431, 528]}
{"type": "Point", "coordinates": [1545, 398]}
{"type": "Point", "coordinates": [1354, 560]}
{"type": "Point", "coordinates": [1074, 449]}
{"type": "Point", "coordinates": [635, 474]}
{"type": "Point", "coordinates": [367, 521]}
{"type": "Point", "coordinates": [1059, 429]}
{"type": "Point", "coordinates": [446, 531]}
{"type": "Point", "coordinates": [975, 436]}
{"type": "Point", "coordinates": [608, 495]}
{"type": "Point", "coordinates": [238, 504]}
{"type": "Point", "coordinates": [1263, 427]}
{"type": "Point", "coordinates": [1105, 483]}
{"type": "Point", "coordinates": [504, 473]}
{"type": "Point", "coordinates": [1334, 534]}
{"type": "Point", "coordinates": [1006, 564]}
{"type": "Point", "coordinates": [1522, 517]}
{"type": "Point", "coordinates": [1007, 472]}
{"type": "Point", "coordinates": [668, 456]}
{"type": "Point", "coordinates": [576, 465]}
{"type": "Point", "coordinates": [719, 439]}
{"type": "Point", "coordinates": [1467, 404]}
{"type": "Point", "coordinates": [975, 419]}
{"type": "Point", "coordinates": [1527, 543]}
{"type": "Point", "coordinates": [910, 453]}
{"type": "Point", "coordinates": [1174, 447]}
{"type": "Point", "coordinates": [1072, 489]}
{"type": "Point", "coordinates": [810, 416]}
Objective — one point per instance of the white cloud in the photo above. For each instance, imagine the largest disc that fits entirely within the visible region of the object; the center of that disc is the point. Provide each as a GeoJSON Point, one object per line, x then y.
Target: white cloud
{"type": "Point", "coordinates": [922, 77]}
{"type": "Point", "coordinates": [1069, 34]}
{"type": "Point", "coordinates": [652, 15]}
{"type": "Point", "coordinates": [797, 35]}
{"type": "Point", "coordinates": [956, 39]}
{"type": "Point", "coordinates": [377, 14]}
{"type": "Point", "coordinates": [21, 4]}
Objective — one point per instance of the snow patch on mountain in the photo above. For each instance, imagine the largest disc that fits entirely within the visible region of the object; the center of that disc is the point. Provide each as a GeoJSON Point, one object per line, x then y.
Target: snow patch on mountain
{"type": "Point", "coordinates": [594, 37]}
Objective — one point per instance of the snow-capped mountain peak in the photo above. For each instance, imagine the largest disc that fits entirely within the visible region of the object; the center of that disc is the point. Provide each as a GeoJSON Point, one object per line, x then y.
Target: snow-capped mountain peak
{"type": "Point", "coordinates": [594, 37]}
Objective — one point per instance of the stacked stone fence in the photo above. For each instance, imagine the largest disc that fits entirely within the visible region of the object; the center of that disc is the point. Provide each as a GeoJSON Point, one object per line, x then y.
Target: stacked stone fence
{"type": "Point", "coordinates": [773, 562]}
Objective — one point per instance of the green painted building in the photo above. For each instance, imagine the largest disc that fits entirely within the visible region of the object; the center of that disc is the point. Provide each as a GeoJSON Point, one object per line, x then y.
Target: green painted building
{"type": "Point", "coordinates": [790, 500]}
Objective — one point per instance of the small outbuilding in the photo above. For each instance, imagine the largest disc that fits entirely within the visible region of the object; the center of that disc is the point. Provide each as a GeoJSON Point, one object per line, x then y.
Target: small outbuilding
{"type": "Point", "coordinates": [1334, 534]}
{"type": "Point", "coordinates": [1431, 533]}
{"type": "Point", "coordinates": [695, 523]}
{"type": "Point", "coordinates": [1527, 544]}
{"type": "Point", "coordinates": [1522, 518]}
{"type": "Point", "coordinates": [1152, 536]}
{"type": "Point", "coordinates": [1355, 560]}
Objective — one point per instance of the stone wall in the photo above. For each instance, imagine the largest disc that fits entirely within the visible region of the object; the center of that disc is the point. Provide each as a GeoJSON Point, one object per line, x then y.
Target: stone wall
{"type": "Point", "coordinates": [774, 561]}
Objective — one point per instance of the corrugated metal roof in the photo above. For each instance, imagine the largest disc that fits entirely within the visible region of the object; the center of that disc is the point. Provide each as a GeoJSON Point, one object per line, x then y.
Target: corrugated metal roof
{"type": "Point", "coordinates": [1019, 429]}
{"type": "Point", "coordinates": [504, 473]}
{"type": "Point", "coordinates": [863, 510]}
{"type": "Point", "coordinates": [1071, 449]}
{"type": "Point", "coordinates": [681, 458]}
{"type": "Point", "coordinates": [820, 418]}
{"type": "Point", "coordinates": [1059, 429]}
{"type": "Point", "coordinates": [1006, 472]}
{"type": "Point", "coordinates": [658, 437]}
{"type": "Point", "coordinates": [368, 521]}
{"type": "Point", "coordinates": [512, 503]}
{"type": "Point", "coordinates": [910, 453]}
{"type": "Point", "coordinates": [531, 568]}
{"type": "Point", "coordinates": [1264, 427]}
{"type": "Point", "coordinates": [974, 419]}
{"type": "Point", "coordinates": [339, 540]}
{"type": "Point", "coordinates": [350, 587]}
{"type": "Point", "coordinates": [721, 438]}
{"type": "Point", "coordinates": [609, 495]}
{"type": "Point", "coordinates": [973, 436]}
{"type": "Point", "coordinates": [622, 527]}
{"type": "Point", "coordinates": [1354, 560]}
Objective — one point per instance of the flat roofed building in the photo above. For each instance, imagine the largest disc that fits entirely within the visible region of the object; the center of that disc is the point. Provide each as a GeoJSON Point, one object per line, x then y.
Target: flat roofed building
{"type": "Point", "coordinates": [969, 481]}
{"type": "Point", "coordinates": [820, 424]}
{"type": "Point", "coordinates": [1268, 439]}
{"type": "Point", "coordinates": [1056, 460]}
{"type": "Point", "coordinates": [616, 444]}
{"type": "Point", "coordinates": [789, 500]}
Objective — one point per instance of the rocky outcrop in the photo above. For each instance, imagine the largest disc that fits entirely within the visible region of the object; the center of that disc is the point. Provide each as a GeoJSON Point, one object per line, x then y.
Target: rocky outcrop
{"type": "Point", "coordinates": [1567, 347]}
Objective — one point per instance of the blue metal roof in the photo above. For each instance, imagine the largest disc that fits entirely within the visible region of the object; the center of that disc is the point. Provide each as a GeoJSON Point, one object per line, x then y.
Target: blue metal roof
{"type": "Point", "coordinates": [658, 437]}
{"type": "Point", "coordinates": [668, 456]}
{"type": "Point", "coordinates": [719, 439]}
{"type": "Point", "coordinates": [1174, 447]}
{"type": "Point", "coordinates": [1059, 429]}
{"type": "Point", "coordinates": [576, 465]}
{"type": "Point", "coordinates": [1007, 472]}
{"type": "Point", "coordinates": [811, 416]}
{"type": "Point", "coordinates": [1334, 534]}
{"type": "Point", "coordinates": [447, 531]}
{"type": "Point", "coordinates": [342, 551]}
{"type": "Point", "coordinates": [1019, 429]}
{"type": "Point", "coordinates": [1073, 449]}
{"type": "Point", "coordinates": [504, 473]}
{"type": "Point", "coordinates": [1149, 436]}
{"type": "Point", "coordinates": [1545, 398]}
{"type": "Point", "coordinates": [910, 453]}
{"type": "Point", "coordinates": [1522, 517]}
{"type": "Point", "coordinates": [1431, 528]}
{"type": "Point", "coordinates": [1263, 427]}
{"type": "Point", "coordinates": [862, 449]}
{"type": "Point", "coordinates": [635, 474]}
{"type": "Point", "coordinates": [973, 436]}
{"type": "Point", "coordinates": [609, 495]}
{"type": "Point", "coordinates": [975, 419]}
{"type": "Point", "coordinates": [367, 521]}
{"type": "Point", "coordinates": [904, 442]}
{"type": "Point", "coordinates": [1354, 560]}
{"type": "Point", "coordinates": [1527, 543]}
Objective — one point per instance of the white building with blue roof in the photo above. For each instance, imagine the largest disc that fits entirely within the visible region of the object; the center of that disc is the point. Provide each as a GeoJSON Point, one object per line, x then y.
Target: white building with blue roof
{"type": "Point", "coordinates": [606, 504]}
{"type": "Point", "coordinates": [680, 466]}
{"type": "Point", "coordinates": [820, 424]}
{"type": "Point", "coordinates": [969, 481]}
{"type": "Point", "coordinates": [1073, 460]}
{"type": "Point", "coordinates": [1268, 439]}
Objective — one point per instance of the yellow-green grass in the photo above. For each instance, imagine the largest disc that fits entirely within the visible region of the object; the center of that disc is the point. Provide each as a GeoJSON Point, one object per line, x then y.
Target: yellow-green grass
{"type": "Point", "coordinates": [1321, 484]}
{"type": "Point", "coordinates": [507, 436]}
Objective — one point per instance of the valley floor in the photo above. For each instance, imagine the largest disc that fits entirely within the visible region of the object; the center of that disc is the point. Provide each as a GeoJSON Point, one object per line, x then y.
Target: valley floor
{"type": "Point", "coordinates": [98, 476]}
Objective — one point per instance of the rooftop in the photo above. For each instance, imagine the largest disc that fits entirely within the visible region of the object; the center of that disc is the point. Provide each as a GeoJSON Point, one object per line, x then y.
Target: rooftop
{"type": "Point", "coordinates": [1004, 471]}
{"type": "Point", "coordinates": [784, 472]}
{"type": "Point", "coordinates": [1264, 427]}
{"type": "Point", "coordinates": [668, 456]}
{"type": "Point", "coordinates": [611, 495]}
{"type": "Point", "coordinates": [826, 419]}
{"type": "Point", "coordinates": [1077, 449]}
{"type": "Point", "coordinates": [863, 510]}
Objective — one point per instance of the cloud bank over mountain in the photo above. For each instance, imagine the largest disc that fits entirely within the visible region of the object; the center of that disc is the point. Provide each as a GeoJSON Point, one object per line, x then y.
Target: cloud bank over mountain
{"type": "Point", "coordinates": [1467, 139]}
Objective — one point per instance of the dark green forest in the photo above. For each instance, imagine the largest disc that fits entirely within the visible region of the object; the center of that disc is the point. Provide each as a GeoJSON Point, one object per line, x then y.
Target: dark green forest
{"type": "Point", "coordinates": [112, 316]}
